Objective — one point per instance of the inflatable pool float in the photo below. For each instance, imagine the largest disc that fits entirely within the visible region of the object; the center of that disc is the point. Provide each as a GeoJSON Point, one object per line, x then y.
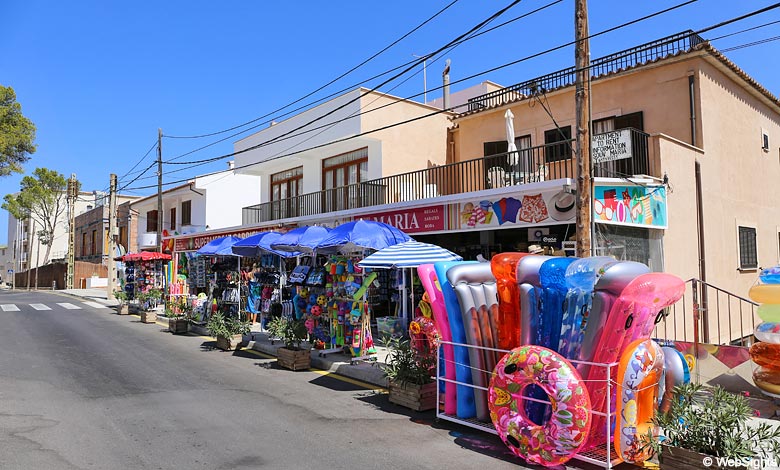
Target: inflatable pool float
{"type": "Point", "coordinates": [614, 278]}
{"type": "Point", "coordinates": [768, 332]}
{"type": "Point", "coordinates": [552, 277]}
{"type": "Point", "coordinates": [504, 267]}
{"type": "Point", "coordinates": [765, 294]}
{"type": "Point", "coordinates": [559, 439]}
{"type": "Point", "coordinates": [581, 277]}
{"type": "Point", "coordinates": [465, 395]}
{"type": "Point", "coordinates": [665, 290]}
{"type": "Point", "coordinates": [528, 284]}
{"type": "Point", "coordinates": [768, 380]}
{"type": "Point", "coordinates": [639, 373]}
{"type": "Point", "coordinates": [770, 275]}
{"type": "Point", "coordinates": [766, 355]}
{"type": "Point", "coordinates": [769, 312]}
{"type": "Point", "coordinates": [475, 288]}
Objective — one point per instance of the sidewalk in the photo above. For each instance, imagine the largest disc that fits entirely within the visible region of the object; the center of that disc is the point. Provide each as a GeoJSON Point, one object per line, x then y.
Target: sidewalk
{"type": "Point", "coordinates": [338, 363]}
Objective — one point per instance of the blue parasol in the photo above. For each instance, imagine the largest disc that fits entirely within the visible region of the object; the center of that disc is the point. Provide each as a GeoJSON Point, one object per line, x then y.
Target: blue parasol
{"type": "Point", "coordinates": [259, 244]}
{"type": "Point", "coordinates": [303, 239]}
{"type": "Point", "coordinates": [359, 235]}
{"type": "Point", "coordinates": [219, 246]}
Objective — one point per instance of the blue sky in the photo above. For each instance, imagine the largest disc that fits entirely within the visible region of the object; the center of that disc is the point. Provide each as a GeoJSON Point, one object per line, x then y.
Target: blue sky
{"type": "Point", "coordinates": [98, 78]}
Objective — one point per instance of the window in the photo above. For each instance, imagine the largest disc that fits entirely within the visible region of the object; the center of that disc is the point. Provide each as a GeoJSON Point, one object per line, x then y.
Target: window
{"type": "Point", "coordinates": [764, 141]}
{"type": "Point", "coordinates": [186, 213]}
{"type": "Point", "coordinates": [84, 244]}
{"type": "Point", "coordinates": [495, 148]}
{"type": "Point", "coordinates": [151, 221]}
{"type": "Point", "coordinates": [123, 236]}
{"type": "Point", "coordinates": [748, 255]}
{"type": "Point", "coordinates": [557, 151]}
{"type": "Point", "coordinates": [173, 218]}
{"type": "Point", "coordinates": [341, 175]}
{"type": "Point", "coordinates": [93, 248]}
{"type": "Point", "coordinates": [286, 184]}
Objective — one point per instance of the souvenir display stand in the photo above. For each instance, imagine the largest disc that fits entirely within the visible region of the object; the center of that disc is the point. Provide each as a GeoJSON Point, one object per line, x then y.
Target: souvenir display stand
{"type": "Point", "coordinates": [264, 284]}
{"type": "Point", "coordinates": [144, 271]}
{"type": "Point", "coordinates": [224, 286]}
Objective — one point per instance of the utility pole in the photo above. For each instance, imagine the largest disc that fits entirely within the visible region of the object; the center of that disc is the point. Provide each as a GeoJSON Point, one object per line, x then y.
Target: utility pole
{"type": "Point", "coordinates": [30, 231]}
{"type": "Point", "coordinates": [583, 143]}
{"type": "Point", "coordinates": [159, 190]}
{"type": "Point", "coordinates": [111, 237]}
{"type": "Point", "coordinates": [71, 230]}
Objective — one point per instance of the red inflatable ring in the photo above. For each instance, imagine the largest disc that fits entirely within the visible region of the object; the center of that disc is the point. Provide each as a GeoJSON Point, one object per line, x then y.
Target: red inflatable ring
{"type": "Point", "coordinates": [558, 440]}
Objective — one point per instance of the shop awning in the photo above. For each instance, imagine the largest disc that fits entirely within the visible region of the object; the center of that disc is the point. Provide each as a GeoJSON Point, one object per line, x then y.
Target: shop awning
{"type": "Point", "coordinates": [144, 256]}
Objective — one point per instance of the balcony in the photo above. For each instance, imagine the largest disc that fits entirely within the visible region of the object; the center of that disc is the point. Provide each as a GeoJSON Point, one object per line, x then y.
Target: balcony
{"type": "Point", "coordinates": [613, 63]}
{"type": "Point", "coordinates": [546, 162]}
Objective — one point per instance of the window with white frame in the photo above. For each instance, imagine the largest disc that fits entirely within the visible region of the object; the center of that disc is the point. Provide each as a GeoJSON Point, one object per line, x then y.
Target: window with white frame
{"type": "Point", "coordinates": [748, 249]}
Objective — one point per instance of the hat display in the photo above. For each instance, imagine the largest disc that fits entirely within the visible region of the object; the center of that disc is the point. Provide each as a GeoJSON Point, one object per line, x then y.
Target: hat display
{"type": "Point", "coordinates": [535, 249]}
{"type": "Point", "coordinates": [561, 205]}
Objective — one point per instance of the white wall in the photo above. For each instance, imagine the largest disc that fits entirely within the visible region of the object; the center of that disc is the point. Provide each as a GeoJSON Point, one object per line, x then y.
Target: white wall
{"type": "Point", "coordinates": [226, 194]}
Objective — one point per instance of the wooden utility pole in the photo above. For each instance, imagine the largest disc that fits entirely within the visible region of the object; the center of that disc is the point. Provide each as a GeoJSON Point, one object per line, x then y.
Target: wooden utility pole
{"type": "Point", "coordinates": [159, 190]}
{"type": "Point", "coordinates": [111, 237]}
{"type": "Point", "coordinates": [583, 143]}
{"type": "Point", "coordinates": [72, 193]}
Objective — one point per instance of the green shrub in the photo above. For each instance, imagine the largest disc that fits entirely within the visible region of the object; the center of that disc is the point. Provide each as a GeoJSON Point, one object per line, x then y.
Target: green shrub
{"type": "Point", "coordinates": [407, 365]}
{"type": "Point", "coordinates": [218, 326]}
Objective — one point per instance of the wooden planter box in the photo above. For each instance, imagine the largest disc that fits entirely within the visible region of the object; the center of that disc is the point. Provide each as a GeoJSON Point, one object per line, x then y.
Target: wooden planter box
{"type": "Point", "coordinates": [229, 344]}
{"type": "Point", "coordinates": [676, 458]}
{"type": "Point", "coordinates": [148, 316]}
{"type": "Point", "coordinates": [177, 326]}
{"type": "Point", "coordinates": [123, 309]}
{"type": "Point", "coordinates": [294, 360]}
{"type": "Point", "coordinates": [415, 397]}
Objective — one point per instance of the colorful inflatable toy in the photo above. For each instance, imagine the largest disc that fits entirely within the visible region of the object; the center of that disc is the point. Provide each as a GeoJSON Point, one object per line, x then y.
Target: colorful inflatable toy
{"type": "Point", "coordinates": [430, 282]}
{"type": "Point", "coordinates": [504, 267]}
{"type": "Point", "coordinates": [768, 332]}
{"type": "Point", "coordinates": [768, 380]}
{"type": "Point", "coordinates": [475, 288]}
{"type": "Point", "coordinates": [465, 395]}
{"type": "Point", "coordinates": [528, 283]}
{"type": "Point", "coordinates": [559, 439]}
{"type": "Point", "coordinates": [639, 374]}
{"type": "Point", "coordinates": [766, 355]}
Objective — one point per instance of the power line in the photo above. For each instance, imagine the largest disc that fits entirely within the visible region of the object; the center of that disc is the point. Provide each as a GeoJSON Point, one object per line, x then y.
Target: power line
{"type": "Point", "coordinates": [209, 160]}
{"type": "Point", "coordinates": [756, 43]}
{"type": "Point", "coordinates": [375, 55]}
{"type": "Point", "coordinates": [745, 30]}
{"type": "Point", "coordinates": [199, 163]}
{"type": "Point", "coordinates": [337, 93]}
{"type": "Point", "coordinates": [123, 188]}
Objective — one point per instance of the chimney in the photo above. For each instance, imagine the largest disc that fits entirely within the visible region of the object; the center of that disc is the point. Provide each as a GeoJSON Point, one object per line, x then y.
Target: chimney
{"type": "Point", "coordinates": [231, 164]}
{"type": "Point", "coordinates": [446, 88]}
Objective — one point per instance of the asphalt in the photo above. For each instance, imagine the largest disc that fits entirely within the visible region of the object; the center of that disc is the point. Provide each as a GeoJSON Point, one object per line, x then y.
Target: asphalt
{"type": "Point", "coordinates": [84, 388]}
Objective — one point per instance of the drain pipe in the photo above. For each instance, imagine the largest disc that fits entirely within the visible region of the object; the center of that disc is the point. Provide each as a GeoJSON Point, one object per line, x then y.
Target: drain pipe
{"type": "Point", "coordinates": [692, 102]}
{"type": "Point", "coordinates": [702, 256]}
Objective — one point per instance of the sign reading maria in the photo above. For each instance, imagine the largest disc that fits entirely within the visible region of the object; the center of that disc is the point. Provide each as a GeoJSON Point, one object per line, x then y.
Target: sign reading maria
{"type": "Point", "coordinates": [611, 146]}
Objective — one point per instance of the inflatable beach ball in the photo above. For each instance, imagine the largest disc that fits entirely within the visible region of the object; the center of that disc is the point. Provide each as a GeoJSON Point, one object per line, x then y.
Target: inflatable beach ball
{"type": "Point", "coordinates": [766, 352]}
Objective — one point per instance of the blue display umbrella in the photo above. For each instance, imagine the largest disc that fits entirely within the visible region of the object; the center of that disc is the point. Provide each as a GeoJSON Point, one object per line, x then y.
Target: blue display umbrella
{"type": "Point", "coordinates": [302, 239]}
{"type": "Point", "coordinates": [258, 244]}
{"type": "Point", "coordinates": [360, 235]}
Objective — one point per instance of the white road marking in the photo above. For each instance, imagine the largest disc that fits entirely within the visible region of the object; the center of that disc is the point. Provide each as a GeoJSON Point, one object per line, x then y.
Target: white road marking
{"type": "Point", "coordinates": [95, 305]}
{"type": "Point", "coordinates": [40, 307]}
{"type": "Point", "coordinates": [69, 306]}
{"type": "Point", "coordinates": [9, 308]}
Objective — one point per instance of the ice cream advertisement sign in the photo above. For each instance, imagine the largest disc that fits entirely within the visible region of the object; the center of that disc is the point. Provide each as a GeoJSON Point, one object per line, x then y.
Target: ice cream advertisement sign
{"type": "Point", "coordinates": [630, 205]}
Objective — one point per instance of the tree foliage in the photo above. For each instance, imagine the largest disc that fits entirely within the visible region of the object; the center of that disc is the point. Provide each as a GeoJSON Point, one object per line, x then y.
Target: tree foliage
{"type": "Point", "coordinates": [17, 134]}
{"type": "Point", "coordinates": [42, 198]}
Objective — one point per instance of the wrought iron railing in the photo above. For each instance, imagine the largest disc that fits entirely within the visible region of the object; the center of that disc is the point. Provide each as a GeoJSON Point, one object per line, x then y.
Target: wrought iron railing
{"type": "Point", "coordinates": [644, 53]}
{"type": "Point", "coordinates": [545, 162]}
{"type": "Point", "coordinates": [710, 315]}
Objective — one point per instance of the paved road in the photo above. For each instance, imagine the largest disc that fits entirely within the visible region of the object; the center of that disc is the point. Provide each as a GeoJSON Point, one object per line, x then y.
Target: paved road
{"type": "Point", "coordinates": [83, 388]}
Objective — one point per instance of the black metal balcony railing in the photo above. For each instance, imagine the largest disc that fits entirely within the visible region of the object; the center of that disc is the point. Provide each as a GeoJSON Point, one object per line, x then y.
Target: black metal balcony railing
{"type": "Point", "coordinates": [644, 53]}
{"type": "Point", "coordinates": [545, 162]}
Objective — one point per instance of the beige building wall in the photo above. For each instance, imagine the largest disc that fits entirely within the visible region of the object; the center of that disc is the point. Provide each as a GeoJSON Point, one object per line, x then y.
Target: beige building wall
{"type": "Point", "coordinates": [408, 147]}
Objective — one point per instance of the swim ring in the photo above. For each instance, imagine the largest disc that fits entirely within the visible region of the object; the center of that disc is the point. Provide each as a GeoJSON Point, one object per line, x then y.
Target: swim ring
{"type": "Point", "coordinates": [560, 438]}
{"type": "Point", "coordinates": [765, 293]}
{"type": "Point", "coordinates": [768, 380]}
{"type": "Point", "coordinates": [639, 373]}
{"type": "Point", "coordinates": [770, 275]}
{"type": "Point", "coordinates": [766, 355]}
{"type": "Point", "coordinates": [769, 312]}
{"type": "Point", "coordinates": [768, 332]}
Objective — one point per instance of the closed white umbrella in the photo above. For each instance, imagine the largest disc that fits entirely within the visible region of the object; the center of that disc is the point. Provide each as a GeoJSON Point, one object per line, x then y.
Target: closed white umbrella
{"type": "Point", "coordinates": [512, 158]}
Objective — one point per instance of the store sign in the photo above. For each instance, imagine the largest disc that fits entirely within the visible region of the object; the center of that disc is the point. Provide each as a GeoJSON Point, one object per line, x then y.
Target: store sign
{"type": "Point", "coordinates": [548, 207]}
{"type": "Point", "coordinates": [630, 205]}
{"type": "Point", "coordinates": [611, 146]}
{"type": "Point", "coordinates": [415, 220]}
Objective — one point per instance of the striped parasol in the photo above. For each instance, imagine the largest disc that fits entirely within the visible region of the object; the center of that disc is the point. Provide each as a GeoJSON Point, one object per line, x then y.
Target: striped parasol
{"type": "Point", "coordinates": [408, 254]}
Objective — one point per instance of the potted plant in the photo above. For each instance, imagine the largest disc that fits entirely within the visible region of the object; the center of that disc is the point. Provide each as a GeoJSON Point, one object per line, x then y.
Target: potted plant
{"type": "Point", "coordinates": [292, 333]}
{"type": "Point", "coordinates": [148, 301]}
{"type": "Point", "coordinates": [708, 425]}
{"type": "Point", "coordinates": [408, 373]}
{"type": "Point", "coordinates": [123, 308]}
{"type": "Point", "coordinates": [178, 314]}
{"type": "Point", "coordinates": [228, 331]}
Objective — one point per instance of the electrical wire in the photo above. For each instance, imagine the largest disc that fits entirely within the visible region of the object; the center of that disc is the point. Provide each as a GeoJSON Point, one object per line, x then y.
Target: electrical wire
{"type": "Point", "coordinates": [375, 55]}
{"type": "Point", "coordinates": [125, 187]}
{"type": "Point", "coordinates": [730, 21]}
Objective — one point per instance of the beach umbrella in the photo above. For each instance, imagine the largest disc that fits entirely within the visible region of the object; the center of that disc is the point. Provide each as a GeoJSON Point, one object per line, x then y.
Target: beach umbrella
{"type": "Point", "coordinates": [259, 244]}
{"type": "Point", "coordinates": [408, 254]}
{"type": "Point", "coordinates": [359, 235]}
{"type": "Point", "coordinates": [303, 239]}
{"type": "Point", "coordinates": [219, 246]}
